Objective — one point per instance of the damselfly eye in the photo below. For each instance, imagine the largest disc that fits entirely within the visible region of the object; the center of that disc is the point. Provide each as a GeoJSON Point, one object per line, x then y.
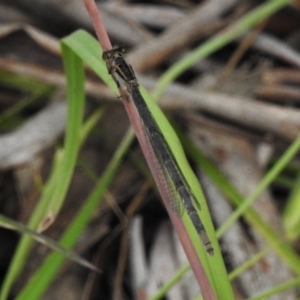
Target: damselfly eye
{"type": "Point", "coordinates": [106, 55]}
{"type": "Point", "coordinates": [124, 50]}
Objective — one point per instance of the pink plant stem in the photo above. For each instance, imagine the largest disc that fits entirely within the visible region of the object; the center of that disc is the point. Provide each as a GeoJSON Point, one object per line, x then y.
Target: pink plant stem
{"type": "Point", "coordinates": [98, 24]}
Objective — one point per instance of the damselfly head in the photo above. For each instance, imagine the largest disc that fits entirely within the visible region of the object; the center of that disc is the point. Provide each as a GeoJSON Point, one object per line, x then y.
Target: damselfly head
{"type": "Point", "coordinates": [114, 53]}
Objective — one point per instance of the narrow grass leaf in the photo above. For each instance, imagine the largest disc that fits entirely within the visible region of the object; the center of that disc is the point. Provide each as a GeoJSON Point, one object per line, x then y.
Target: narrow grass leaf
{"type": "Point", "coordinates": [220, 40]}
{"type": "Point", "coordinates": [277, 289]}
{"type": "Point", "coordinates": [291, 214]}
{"type": "Point", "coordinates": [13, 225]}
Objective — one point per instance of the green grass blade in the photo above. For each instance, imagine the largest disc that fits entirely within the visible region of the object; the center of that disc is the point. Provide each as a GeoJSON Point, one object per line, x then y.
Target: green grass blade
{"type": "Point", "coordinates": [13, 225]}
{"type": "Point", "coordinates": [90, 123]}
{"type": "Point", "coordinates": [89, 50]}
{"type": "Point", "coordinates": [174, 280]}
{"type": "Point", "coordinates": [278, 289]}
{"type": "Point", "coordinates": [291, 214]}
{"type": "Point", "coordinates": [265, 182]}
{"type": "Point", "coordinates": [75, 97]}
{"type": "Point", "coordinates": [248, 264]}
{"type": "Point", "coordinates": [12, 113]}
{"type": "Point", "coordinates": [21, 82]}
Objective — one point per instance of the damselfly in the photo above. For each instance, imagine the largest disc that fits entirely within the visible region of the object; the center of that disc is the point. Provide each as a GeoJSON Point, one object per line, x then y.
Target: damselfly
{"type": "Point", "coordinates": [182, 195]}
